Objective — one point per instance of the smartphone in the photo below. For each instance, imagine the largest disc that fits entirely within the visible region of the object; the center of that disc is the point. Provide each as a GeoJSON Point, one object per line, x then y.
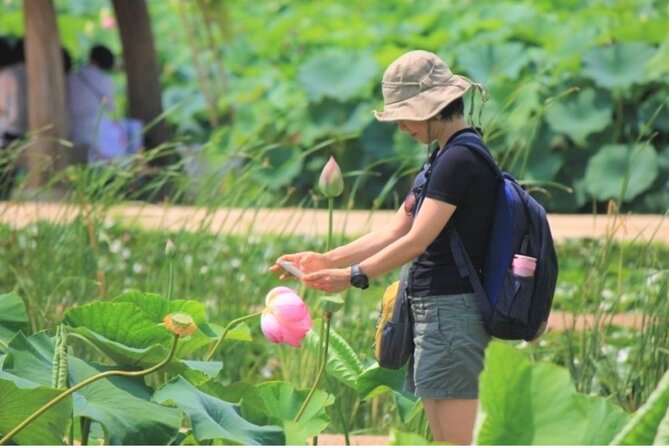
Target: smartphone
{"type": "Point", "coordinates": [294, 270]}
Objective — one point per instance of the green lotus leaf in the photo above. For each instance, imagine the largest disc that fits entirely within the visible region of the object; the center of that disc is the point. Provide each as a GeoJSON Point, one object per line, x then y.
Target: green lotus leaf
{"type": "Point", "coordinates": [120, 353]}
{"type": "Point", "coordinates": [12, 310]}
{"type": "Point", "coordinates": [13, 315]}
{"type": "Point", "coordinates": [579, 115]}
{"type": "Point", "coordinates": [618, 66]}
{"type": "Point", "coordinates": [119, 404]}
{"type": "Point", "coordinates": [209, 368]}
{"type": "Point", "coordinates": [281, 401]}
{"type": "Point", "coordinates": [329, 117]}
{"type": "Point", "coordinates": [17, 403]}
{"type": "Point", "coordinates": [649, 424]}
{"type": "Point", "coordinates": [338, 74]}
{"type": "Point", "coordinates": [484, 62]}
{"type": "Point", "coordinates": [399, 438]}
{"type": "Point", "coordinates": [544, 161]}
{"type": "Point", "coordinates": [377, 380]}
{"type": "Point", "coordinates": [524, 403]}
{"type": "Point", "coordinates": [658, 65]}
{"type": "Point", "coordinates": [343, 363]}
{"type": "Point", "coordinates": [654, 111]}
{"type": "Point", "coordinates": [126, 417]}
{"type": "Point", "coordinates": [279, 167]}
{"type": "Point", "coordinates": [616, 166]}
{"type": "Point", "coordinates": [157, 307]}
{"type": "Point", "coordinates": [120, 330]}
{"type": "Point", "coordinates": [215, 419]}
{"type": "Point", "coordinates": [377, 138]}
{"type": "Point", "coordinates": [30, 358]}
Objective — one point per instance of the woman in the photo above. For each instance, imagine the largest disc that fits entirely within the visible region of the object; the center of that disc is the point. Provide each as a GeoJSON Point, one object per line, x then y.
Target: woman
{"type": "Point", "coordinates": [424, 97]}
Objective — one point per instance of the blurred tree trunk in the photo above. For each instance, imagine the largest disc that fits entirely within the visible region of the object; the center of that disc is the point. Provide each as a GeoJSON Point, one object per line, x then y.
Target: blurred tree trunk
{"type": "Point", "coordinates": [47, 110]}
{"type": "Point", "coordinates": [141, 67]}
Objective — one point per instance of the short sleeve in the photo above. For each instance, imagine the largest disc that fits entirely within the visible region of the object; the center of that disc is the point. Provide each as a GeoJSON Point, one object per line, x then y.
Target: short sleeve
{"type": "Point", "coordinates": [452, 174]}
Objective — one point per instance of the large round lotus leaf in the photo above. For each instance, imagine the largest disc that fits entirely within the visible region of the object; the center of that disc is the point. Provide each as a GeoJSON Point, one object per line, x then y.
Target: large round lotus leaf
{"type": "Point", "coordinates": [654, 111]}
{"type": "Point", "coordinates": [483, 62]}
{"type": "Point", "coordinates": [215, 419]}
{"type": "Point", "coordinates": [377, 139]}
{"type": "Point", "coordinates": [124, 413]}
{"type": "Point", "coordinates": [619, 65]}
{"type": "Point", "coordinates": [13, 315]}
{"type": "Point", "coordinates": [18, 402]}
{"type": "Point", "coordinates": [617, 165]}
{"type": "Point", "coordinates": [338, 74]}
{"type": "Point", "coordinates": [658, 65]}
{"type": "Point", "coordinates": [579, 115]}
{"type": "Point", "coordinates": [511, 387]}
{"type": "Point", "coordinates": [279, 167]}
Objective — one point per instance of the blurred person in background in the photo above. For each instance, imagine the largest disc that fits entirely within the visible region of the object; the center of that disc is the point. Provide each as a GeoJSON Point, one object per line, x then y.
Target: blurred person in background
{"type": "Point", "coordinates": [13, 110]}
{"type": "Point", "coordinates": [90, 97]}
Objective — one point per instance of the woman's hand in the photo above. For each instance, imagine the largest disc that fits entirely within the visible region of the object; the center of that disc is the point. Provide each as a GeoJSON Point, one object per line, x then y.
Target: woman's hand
{"type": "Point", "coordinates": [306, 261]}
{"type": "Point", "coordinates": [329, 280]}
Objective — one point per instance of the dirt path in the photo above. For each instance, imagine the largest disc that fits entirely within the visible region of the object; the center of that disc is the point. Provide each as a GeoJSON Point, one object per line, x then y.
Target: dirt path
{"type": "Point", "coordinates": [310, 222]}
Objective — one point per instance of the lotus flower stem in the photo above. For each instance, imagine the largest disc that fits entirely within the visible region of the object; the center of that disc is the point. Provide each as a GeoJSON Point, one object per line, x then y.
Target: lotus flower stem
{"type": "Point", "coordinates": [321, 370]}
{"type": "Point", "coordinates": [170, 283]}
{"type": "Point", "coordinates": [170, 252]}
{"type": "Point", "coordinates": [330, 213]}
{"type": "Point", "coordinates": [85, 423]}
{"type": "Point", "coordinates": [86, 382]}
{"type": "Point", "coordinates": [228, 327]}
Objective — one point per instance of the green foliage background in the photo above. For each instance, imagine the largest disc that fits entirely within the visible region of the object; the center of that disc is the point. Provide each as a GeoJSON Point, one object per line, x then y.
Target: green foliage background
{"type": "Point", "coordinates": [579, 88]}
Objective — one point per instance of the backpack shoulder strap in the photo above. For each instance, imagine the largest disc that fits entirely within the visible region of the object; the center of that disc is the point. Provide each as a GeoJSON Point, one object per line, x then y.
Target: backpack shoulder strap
{"type": "Point", "coordinates": [466, 269]}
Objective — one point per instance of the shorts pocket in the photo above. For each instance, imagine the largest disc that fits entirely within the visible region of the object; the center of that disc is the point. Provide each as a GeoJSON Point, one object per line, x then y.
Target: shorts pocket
{"type": "Point", "coordinates": [448, 326]}
{"type": "Point", "coordinates": [516, 298]}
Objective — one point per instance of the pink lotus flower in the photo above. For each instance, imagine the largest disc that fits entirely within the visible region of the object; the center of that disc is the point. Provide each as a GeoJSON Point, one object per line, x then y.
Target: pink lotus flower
{"type": "Point", "coordinates": [331, 182]}
{"type": "Point", "coordinates": [107, 21]}
{"type": "Point", "coordinates": [285, 319]}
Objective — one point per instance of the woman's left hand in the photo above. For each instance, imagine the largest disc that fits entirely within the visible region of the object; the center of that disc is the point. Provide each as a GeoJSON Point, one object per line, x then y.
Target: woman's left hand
{"type": "Point", "coordinates": [329, 280]}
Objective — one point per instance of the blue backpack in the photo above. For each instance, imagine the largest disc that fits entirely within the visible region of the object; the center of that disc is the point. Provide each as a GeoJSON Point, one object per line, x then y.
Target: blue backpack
{"type": "Point", "coordinates": [513, 307]}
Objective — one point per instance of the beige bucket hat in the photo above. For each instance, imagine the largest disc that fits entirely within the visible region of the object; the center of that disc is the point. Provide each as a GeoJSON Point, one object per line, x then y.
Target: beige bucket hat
{"type": "Point", "coordinates": [417, 85]}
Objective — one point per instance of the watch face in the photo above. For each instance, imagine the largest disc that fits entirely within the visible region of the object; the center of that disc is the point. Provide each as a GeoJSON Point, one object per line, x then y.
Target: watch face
{"type": "Point", "coordinates": [360, 281]}
{"type": "Point", "coordinates": [358, 278]}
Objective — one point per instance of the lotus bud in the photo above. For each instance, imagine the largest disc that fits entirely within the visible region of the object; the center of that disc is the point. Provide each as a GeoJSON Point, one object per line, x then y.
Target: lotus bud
{"type": "Point", "coordinates": [170, 249]}
{"type": "Point", "coordinates": [331, 183]}
{"type": "Point", "coordinates": [181, 324]}
{"type": "Point", "coordinates": [285, 319]}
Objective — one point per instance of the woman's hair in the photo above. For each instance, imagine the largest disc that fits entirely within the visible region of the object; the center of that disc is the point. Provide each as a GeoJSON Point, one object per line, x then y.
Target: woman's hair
{"type": "Point", "coordinates": [453, 110]}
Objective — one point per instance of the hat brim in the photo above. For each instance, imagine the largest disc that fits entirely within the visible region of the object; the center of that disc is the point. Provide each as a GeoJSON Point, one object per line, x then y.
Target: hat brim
{"type": "Point", "coordinates": [426, 104]}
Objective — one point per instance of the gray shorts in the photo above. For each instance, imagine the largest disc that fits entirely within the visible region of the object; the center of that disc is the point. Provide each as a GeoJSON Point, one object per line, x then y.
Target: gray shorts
{"type": "Point", "coordinates": [450, 341]}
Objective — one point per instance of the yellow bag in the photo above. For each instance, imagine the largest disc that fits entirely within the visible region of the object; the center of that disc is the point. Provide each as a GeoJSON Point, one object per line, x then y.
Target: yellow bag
{"type": "Point", "coordinates": [393, 342]}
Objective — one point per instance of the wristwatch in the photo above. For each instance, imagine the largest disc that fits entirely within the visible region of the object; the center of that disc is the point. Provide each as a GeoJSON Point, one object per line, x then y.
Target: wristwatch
{"type": "Point", "coordinates": [358, 278]}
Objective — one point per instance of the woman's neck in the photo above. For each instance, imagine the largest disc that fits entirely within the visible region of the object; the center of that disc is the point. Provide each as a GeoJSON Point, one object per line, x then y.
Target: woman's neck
{"type": "Point", "coordinates": [446, 129]}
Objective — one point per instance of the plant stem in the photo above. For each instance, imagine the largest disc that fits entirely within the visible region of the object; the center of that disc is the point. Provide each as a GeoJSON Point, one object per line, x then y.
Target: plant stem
{"type": "Point", "coordinates": [170, 280]}
{"type": "Point", "coordinates": [86, 382]}
{"type": "Point", "coordinates": [330, 212]}
{"type": "Point", "coordinates": [85, 429]}
{"type": "Point", "coordinates": [328, 318]}
{"type": "Point", "coordinates": [225, 332]}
